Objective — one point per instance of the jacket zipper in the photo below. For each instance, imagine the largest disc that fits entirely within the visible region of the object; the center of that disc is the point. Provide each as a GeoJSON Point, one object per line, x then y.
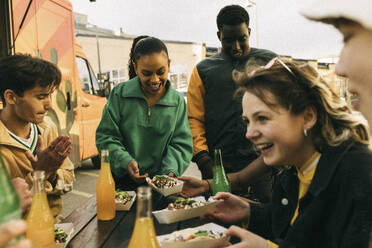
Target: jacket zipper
{"type": "Point", "coordinates": [148, 115]}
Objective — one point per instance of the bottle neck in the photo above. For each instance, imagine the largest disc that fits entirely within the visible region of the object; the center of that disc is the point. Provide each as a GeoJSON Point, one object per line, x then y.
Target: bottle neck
{"type": "Point", "coordinates": [144, 202]}
{"type": "Point", "coordinates": [105, 160]}
{"type": "Point", "coordinates": [218, 160]}
{"type": "Point", "coordinates": [144, 208]}
{"type": "Point", "coordinates": [219, 173]}
{"type": "Point", "coordinates": [219, 168]}
{"type": "Point", "coordinates": [39, 185]}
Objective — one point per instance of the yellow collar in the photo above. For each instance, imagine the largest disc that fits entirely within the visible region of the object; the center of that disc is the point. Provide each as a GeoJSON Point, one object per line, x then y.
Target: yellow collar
{"type": "Point", "coordinates": [306, 173]}
{"type": "Point", "coordinates": [310, 163]}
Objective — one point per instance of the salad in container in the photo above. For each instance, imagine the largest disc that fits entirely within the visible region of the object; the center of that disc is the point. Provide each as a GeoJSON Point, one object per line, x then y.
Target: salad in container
{"type": "Point", "coordinates": [165, 185]}
{"type": "Point", "coordinates": [206, 236]}
{"type": "Point", "coordinates": [124, 200]}
{"type": "Point", "coordinates": [184, 209]}
{"type": "Point", "coordinates": [62, 234]}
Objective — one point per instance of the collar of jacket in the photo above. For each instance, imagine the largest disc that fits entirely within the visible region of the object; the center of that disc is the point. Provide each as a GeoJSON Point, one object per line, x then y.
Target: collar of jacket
{"type": "Point", "coordinates": [331, 157]}
{"type": "Point", "coordinates": [6, 139]}
{"type": "Point", "coordinates": [327, 165]}
{"type": "Point", "coordinates": [133, 89]}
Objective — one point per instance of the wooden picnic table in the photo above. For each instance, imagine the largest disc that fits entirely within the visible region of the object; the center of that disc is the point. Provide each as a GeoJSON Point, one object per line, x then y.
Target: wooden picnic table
{"type": "Point", "coordinates": [92, 233]}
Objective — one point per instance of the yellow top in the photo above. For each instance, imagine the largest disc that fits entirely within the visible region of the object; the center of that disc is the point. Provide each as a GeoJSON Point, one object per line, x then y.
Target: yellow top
{"type": "Point", "coordinates": [305, 175]}
{"type": "Point", "coordinates": [271, 244]}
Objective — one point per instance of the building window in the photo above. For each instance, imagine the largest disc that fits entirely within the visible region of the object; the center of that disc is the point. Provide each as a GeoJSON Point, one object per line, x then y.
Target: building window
{"type": "Point", "coordinates": [118, 75]}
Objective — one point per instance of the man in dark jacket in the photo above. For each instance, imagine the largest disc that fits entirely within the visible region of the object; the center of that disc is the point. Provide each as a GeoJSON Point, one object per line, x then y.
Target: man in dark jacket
{"type": "Point", "coordinates": [214, 114]}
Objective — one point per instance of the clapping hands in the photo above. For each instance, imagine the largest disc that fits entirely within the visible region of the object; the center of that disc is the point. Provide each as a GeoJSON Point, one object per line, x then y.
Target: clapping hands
{"type": "Point", "coordinates": [50, 158]}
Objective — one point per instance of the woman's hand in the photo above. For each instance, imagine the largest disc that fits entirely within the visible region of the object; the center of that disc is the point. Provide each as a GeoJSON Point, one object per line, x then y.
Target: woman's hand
{"type": "Point", "coordinates": [11, 230]}
{"type": "Point", "coordinates": [193, 186]}
{"type": "Point", "coordinates": [247, 238]}
{"type": "Point", "coordinates": [230, 208]}
{"type": "Point", "coordinates": [49, 159]}
{"type": "Point", "coordinates": [23, 191]}
{"type": "Point", "coordinates": [134, 172]}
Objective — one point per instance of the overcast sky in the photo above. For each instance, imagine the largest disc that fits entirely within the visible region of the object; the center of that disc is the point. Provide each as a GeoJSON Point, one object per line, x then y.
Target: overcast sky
{"type": "Point", "coordinates": [279, 26]}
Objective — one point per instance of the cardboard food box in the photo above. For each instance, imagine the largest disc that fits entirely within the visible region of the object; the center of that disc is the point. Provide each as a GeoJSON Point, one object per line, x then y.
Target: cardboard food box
{"type": "Point", "coordinates": [205, 243]}
{"type": "Point", "coordinates": [125, 207]}
{"type": "Point", "coordinates": [68, 228]}
{"type": "Point", "coordinates": [166, 216]}
{"type": "Point", "coordinates": [167, 190]}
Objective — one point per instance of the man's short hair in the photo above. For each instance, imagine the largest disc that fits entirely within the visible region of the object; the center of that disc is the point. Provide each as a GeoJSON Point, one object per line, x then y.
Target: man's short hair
{"type": "Point", "coordinates": [232, 15]}
{"type": "Point", "coordinates": [22, 72]}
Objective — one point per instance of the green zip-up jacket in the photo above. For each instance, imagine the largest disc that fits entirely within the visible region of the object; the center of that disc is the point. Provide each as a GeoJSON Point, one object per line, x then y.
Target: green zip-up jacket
{"type": "Point", "coordinates": [158, 138]}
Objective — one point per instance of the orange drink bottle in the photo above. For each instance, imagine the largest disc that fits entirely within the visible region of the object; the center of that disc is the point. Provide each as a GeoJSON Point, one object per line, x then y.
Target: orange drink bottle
{"type": "Point", "coordinates": [144, 232]}
{"type": "Point", "coordinates": [40, 221]}
{"type": "Point", "coordinates": [105, 190]}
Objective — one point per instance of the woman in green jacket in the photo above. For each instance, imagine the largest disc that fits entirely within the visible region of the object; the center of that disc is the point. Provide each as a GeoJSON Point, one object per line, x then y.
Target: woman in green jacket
{"type": "Point", "coordinates": [144, 123]}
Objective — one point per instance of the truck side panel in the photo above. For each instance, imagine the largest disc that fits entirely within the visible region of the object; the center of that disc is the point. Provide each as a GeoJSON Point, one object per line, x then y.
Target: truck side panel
{"type": "Point", "coordinates": [48, 32]}
{"type": "Point", "coordinates": [90, 107]}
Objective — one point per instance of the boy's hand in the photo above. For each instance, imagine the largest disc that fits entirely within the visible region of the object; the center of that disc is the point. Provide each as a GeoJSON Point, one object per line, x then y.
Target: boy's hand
{"type": "Point", "coordinates": [52, 157]}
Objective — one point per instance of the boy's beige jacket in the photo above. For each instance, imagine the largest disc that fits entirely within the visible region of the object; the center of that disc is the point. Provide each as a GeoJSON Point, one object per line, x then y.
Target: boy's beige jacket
{"type": "Point", "coordinates": [18, 165]}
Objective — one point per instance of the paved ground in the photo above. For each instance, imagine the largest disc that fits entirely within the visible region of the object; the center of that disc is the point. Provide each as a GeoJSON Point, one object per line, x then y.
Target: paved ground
{"type": "Point", "coordinates": [85, 186]}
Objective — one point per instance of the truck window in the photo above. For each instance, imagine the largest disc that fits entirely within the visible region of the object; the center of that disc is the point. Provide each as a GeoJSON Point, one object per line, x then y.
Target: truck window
{"type": "Point", "coordinates": [94, 80]}
{"type": "Point", "coordinates": [88, 80]}
{"type": "Point", "coordinates": [83, 70]}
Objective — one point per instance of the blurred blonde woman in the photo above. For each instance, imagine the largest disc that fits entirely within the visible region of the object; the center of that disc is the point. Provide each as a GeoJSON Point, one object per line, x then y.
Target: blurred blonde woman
{"type": "Point", "coordinates": [354, 21]}
{"type": "Point", "coordinates": [323, 196]}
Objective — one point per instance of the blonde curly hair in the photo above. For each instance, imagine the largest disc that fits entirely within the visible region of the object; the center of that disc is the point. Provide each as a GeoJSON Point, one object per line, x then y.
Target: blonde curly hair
{"type": "Point", "coordinates": [299, 86]}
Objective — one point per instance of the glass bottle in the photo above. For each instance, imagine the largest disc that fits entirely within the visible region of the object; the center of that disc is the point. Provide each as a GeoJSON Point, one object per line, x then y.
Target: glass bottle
{"type": "Point", "coordinates": [10, 207]}
{"type": "Point", "coordinates": [144, 232]}
{"type": "Point", "coordinates": [220, 181]}
{"type": "Point", "coordinates": [105, 190]}
{"type": "Point", "coordinates": [40, 221]}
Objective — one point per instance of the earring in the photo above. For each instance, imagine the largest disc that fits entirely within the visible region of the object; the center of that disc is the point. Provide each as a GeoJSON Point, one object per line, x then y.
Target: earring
{"type": "Point", "coordinates": [305, 132]}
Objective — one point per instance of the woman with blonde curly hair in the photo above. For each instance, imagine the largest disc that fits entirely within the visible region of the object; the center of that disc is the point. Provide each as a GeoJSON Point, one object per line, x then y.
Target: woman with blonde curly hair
{"type": "Point", "coordinates": [323, 197]}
